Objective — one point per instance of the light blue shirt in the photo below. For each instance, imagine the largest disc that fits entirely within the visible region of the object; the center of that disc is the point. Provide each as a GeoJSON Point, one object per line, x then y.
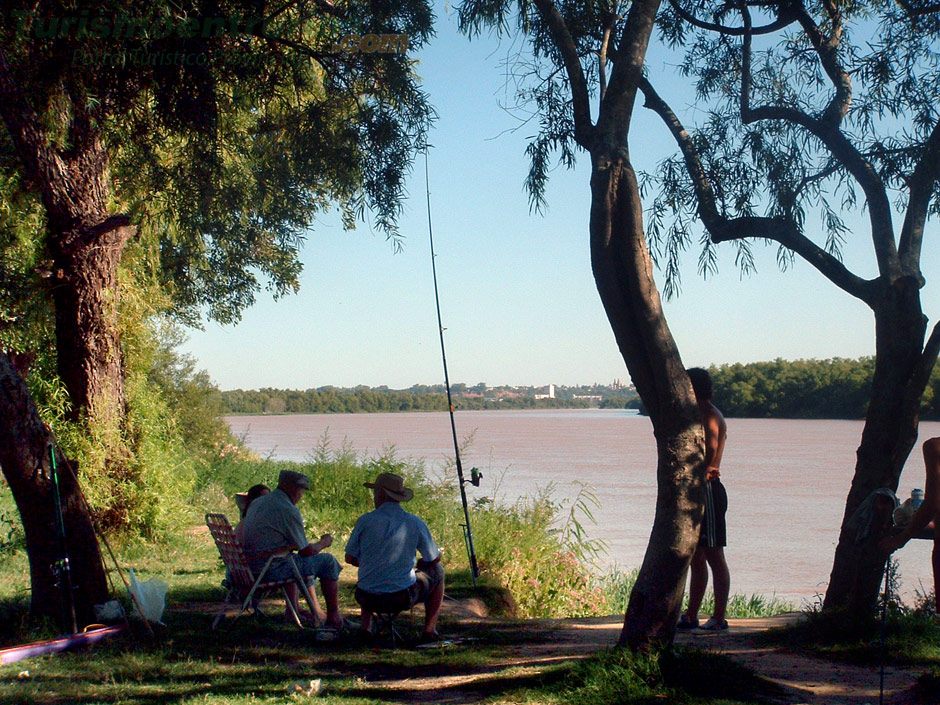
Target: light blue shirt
{"type": "Point", "coordinates": [385, 542]}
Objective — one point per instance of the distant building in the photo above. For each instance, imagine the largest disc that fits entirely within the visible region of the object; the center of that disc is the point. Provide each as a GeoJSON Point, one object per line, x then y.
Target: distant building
{"type": "Point", "coordinates": [550, 395]}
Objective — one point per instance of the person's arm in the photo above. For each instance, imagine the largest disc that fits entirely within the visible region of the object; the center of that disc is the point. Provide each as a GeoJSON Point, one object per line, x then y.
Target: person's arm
{"type": "Point", "coordinates": [929, 507]}
{"type": "Point", "coordinates": [714, 444]}
{"type": "Point", "coordinates": [424, 565]}
{"type": "Point", "coordinates": [313, 548]}
{"type": "Point", "coordinates": [352, 545]}
{"type": "Point", "coordinates": [427, 547]}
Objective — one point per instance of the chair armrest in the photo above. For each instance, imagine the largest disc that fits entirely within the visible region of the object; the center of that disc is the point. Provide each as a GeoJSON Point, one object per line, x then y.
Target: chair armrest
{"type": "Point", "coordinates": [278, 553]}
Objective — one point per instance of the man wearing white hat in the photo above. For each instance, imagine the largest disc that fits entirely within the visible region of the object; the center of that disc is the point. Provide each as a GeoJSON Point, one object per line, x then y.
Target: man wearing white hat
{"type": "Point", "coordinates": [383, 545]}
{"type": "Point", "coordinates": [274, 523]}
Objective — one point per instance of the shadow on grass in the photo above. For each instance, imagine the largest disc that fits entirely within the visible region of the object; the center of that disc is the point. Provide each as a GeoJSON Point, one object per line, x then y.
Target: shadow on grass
{"type": "Point", "coordinates": [911, 638]}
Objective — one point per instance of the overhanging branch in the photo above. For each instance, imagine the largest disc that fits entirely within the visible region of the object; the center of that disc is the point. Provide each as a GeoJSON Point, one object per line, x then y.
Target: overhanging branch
{"type": "Point", "coordinates": [919, 10]}
{"type": "Point", "coordinates": [783, 19]}
{"type": "Point", "coordinates": [583, 128]}
{"type": "Point", "coordinates": [24, 126]}
{"type": "Point", "coordinates": [921, 187]}
{"type": "Point", "coordinates": [724, 229]}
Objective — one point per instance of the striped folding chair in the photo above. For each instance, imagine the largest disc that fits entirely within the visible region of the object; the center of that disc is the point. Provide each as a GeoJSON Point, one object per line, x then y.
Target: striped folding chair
{"type": "Point", "coordinates": [245, 590]}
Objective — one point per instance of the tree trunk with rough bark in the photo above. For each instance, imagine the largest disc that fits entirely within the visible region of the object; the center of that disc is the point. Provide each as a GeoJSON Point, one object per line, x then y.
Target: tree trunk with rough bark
{"type": "Point", "coordinates": [902, 370]}
{"type": "Point", "coordinates": [623, 270]}
{"type": "Point", "coordinates": [85, 294]}
{"type": "Point", "coordinates": [24, 457]}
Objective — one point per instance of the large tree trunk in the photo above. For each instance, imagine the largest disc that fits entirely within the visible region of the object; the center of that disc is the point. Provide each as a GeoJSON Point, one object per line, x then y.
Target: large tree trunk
{"type": "Point", "coordinates": [24, 457]}
{"type": "Point", "coordinates": [902, 370]}
{"type": "Point", "coordinates": [85, 293]}
{"type": "Point", "coordinates": [624, 274]}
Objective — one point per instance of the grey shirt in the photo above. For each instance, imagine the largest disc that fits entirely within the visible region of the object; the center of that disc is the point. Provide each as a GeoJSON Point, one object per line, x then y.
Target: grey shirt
{"type": "Point", "coordinates": [272, 523]}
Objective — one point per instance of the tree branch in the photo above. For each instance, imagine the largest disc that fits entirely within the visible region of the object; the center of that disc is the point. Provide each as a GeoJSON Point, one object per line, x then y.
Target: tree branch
{"type": "Point", "coordinates": [609, 23]}
{"type": "Point", "coordinates": [583, 127]}
{"type": "Point", "coordinates": [784, 18]}
{"type": "Point", "coordinates": [24, 126]}
{"type": "Point", "coordinates": [826, 129]}
{"type": "Point", "coordinates": [827, 48]}
{"type": "Point", "coordinates": [924, 366]}
{"type": "Point", "coordinates": [919, 11]}
{"type": "Point", "coordinates": [723, 229]}
{"type": "Point", "coordinates": [921, 187]}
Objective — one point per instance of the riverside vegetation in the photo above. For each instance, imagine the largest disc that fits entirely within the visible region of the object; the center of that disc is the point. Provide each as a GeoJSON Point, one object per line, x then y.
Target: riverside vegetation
{"type": "Point", "coordinates": [837, 388]}
{"type": "Point", "coordinates": [535, 557]}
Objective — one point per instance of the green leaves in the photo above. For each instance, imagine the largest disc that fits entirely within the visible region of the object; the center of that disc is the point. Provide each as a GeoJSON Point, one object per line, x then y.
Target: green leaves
{"type": "Point", "coordinates": [229, 126]}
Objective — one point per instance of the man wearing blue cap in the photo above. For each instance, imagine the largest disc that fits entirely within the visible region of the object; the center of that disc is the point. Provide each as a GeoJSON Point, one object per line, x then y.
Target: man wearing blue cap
{"type": "Point", "coordinates": [274, 523]}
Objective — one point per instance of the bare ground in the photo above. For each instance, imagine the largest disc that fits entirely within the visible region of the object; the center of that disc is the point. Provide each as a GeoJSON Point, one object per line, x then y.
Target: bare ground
{"type": "Point", "coordinates": [802, 679]}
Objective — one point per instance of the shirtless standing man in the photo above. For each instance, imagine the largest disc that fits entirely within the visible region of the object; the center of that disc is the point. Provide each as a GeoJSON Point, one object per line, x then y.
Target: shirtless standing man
{"type": "Point", "coordinates": [928, 510]}
{"type": "Point", "coordinates": [713, 539]}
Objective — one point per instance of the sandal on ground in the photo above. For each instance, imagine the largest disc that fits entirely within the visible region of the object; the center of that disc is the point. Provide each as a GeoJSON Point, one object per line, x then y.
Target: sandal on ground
{"type": "Point", "coordinates": [686, 623]}
{"type": "Point", "coordinates": [430, 638]}
{"type": "Point", "coordinates": [715, 625]}
{"type": "Point", "coordinates": [346, 625]}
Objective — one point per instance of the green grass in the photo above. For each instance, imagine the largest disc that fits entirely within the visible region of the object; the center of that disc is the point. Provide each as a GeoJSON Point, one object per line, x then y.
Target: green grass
{"type": "Point", "coordinates": [911, 638]}
{"type": "Point", "coordinates": [530, 568]}
{"type": "Point", "coordinates": [908, 638]}
{"type": "Point", "coordinates": [618, 583]}
{"type": "Point", "coordinates": [256, 662]}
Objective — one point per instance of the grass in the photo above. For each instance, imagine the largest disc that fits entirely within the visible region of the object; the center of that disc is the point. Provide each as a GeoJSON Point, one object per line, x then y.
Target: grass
{"type": "Point", "coordinates": [256, 661]}
{"type": "Point", "coordinates": [911, 638]}
{"type": "Point", "coordinates": [530, 568]}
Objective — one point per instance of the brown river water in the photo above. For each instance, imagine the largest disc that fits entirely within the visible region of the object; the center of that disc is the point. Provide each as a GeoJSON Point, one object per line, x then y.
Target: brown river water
{"type": "Point", "coordinates": [786, 479]}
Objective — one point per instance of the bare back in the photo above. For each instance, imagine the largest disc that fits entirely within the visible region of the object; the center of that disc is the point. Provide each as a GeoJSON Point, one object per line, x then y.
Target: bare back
{"type": "Point", "coordinates": [716, 431]}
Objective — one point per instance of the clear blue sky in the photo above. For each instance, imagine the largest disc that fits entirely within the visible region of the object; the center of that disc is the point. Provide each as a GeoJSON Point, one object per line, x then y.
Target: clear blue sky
{"type": "Point", "coordinates": [517, 294]}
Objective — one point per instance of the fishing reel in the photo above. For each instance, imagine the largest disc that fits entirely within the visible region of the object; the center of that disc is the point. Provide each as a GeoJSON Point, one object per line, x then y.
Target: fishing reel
{"type": "Point", "coordinates": [475, 477]}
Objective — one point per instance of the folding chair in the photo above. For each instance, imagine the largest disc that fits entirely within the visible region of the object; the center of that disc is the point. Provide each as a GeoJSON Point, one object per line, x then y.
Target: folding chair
{"type": "Point", "coordinates": [384, 611]}
{"type": "Point", "coordinates": [245, 590]}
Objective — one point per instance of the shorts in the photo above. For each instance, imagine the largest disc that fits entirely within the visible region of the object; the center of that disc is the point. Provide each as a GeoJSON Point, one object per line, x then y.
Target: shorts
{"type": "Point", "coordinates": [319, 565]}
{"type": "Point", "coordinates": [714, 531]}
{"type": "Point", "coordinates": [393, 602]}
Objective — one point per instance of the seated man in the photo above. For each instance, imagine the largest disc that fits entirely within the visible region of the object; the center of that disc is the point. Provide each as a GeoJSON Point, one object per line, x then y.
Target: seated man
{"type": "Point", "coordinates": [273, 523]}
{"type": "Point", "coordinates": [383, 545]}
{"type": "Point", "coordinates": [928, 511]}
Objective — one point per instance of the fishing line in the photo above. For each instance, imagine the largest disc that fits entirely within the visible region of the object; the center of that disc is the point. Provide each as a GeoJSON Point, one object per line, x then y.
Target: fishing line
{"type": "Point", "coordinates": [54, 444]}
{"type": "Point", "coordinates": [62, 569]}
{"type": "Point", "coordinates": [884, 620]}
{"type": "Point", "coordinates": [475, 474]}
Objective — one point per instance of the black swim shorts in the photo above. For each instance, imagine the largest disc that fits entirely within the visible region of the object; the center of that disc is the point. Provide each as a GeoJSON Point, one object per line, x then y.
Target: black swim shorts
{"type": "Point", "coordinates": [714, 532]}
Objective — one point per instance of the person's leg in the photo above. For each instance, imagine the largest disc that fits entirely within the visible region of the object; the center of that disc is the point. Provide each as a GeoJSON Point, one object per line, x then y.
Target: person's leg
{"type": "Point", "coordinates": [293, 593]}
{"type": "Point", "coordinates": [325, 567]}
{"type": "Point", "coordinates": [434, 600]}
{"type": "Point", "coordinates": [721, 580]}
{"type": "Point", "coordinates": [365, 619]}
{"type": "Point", "coordinates": [698, 582]}
{"type": "Point", "coordinates": [935, 562]}
{"type": "Point", "coordinates": [331, 597]}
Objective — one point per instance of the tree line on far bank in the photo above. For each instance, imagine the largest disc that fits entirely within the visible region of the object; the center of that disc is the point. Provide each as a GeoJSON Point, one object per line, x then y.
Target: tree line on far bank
{"type": "Point", "coordinates": [363, 399]}
{"type": "Point", "coordinates": [836, 388]}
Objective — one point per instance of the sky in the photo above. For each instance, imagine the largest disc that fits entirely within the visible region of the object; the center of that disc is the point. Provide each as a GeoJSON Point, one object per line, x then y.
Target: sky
{"type": "Point", "coordinates": [518, 299]}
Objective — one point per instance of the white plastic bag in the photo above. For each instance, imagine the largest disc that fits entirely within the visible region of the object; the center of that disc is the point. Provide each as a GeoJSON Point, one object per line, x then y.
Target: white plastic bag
{"type": "Point", "coordinates": [148, 598]}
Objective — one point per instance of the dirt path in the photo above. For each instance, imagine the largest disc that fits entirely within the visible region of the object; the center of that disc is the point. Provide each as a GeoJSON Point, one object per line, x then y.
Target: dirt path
{"type": "Point", "coordinates": [804, 680]}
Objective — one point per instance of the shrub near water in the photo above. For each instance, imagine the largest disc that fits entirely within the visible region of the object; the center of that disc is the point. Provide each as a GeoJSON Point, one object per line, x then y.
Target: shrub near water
{"type": "Point", "coordinates": [517, 547]}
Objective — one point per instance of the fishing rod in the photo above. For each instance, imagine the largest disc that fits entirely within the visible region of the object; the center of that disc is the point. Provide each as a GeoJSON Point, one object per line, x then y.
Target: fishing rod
{"type": "Point", "coordinates": [54, 445]}
{"type": "Point", "coordinates": [475, 474]}
{"type": "Point", "coordinates": [61, 567]}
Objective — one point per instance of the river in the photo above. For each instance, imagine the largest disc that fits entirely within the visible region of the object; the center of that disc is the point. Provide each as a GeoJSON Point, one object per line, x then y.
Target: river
{"type": "Point", "coordinates": [786, 479]}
